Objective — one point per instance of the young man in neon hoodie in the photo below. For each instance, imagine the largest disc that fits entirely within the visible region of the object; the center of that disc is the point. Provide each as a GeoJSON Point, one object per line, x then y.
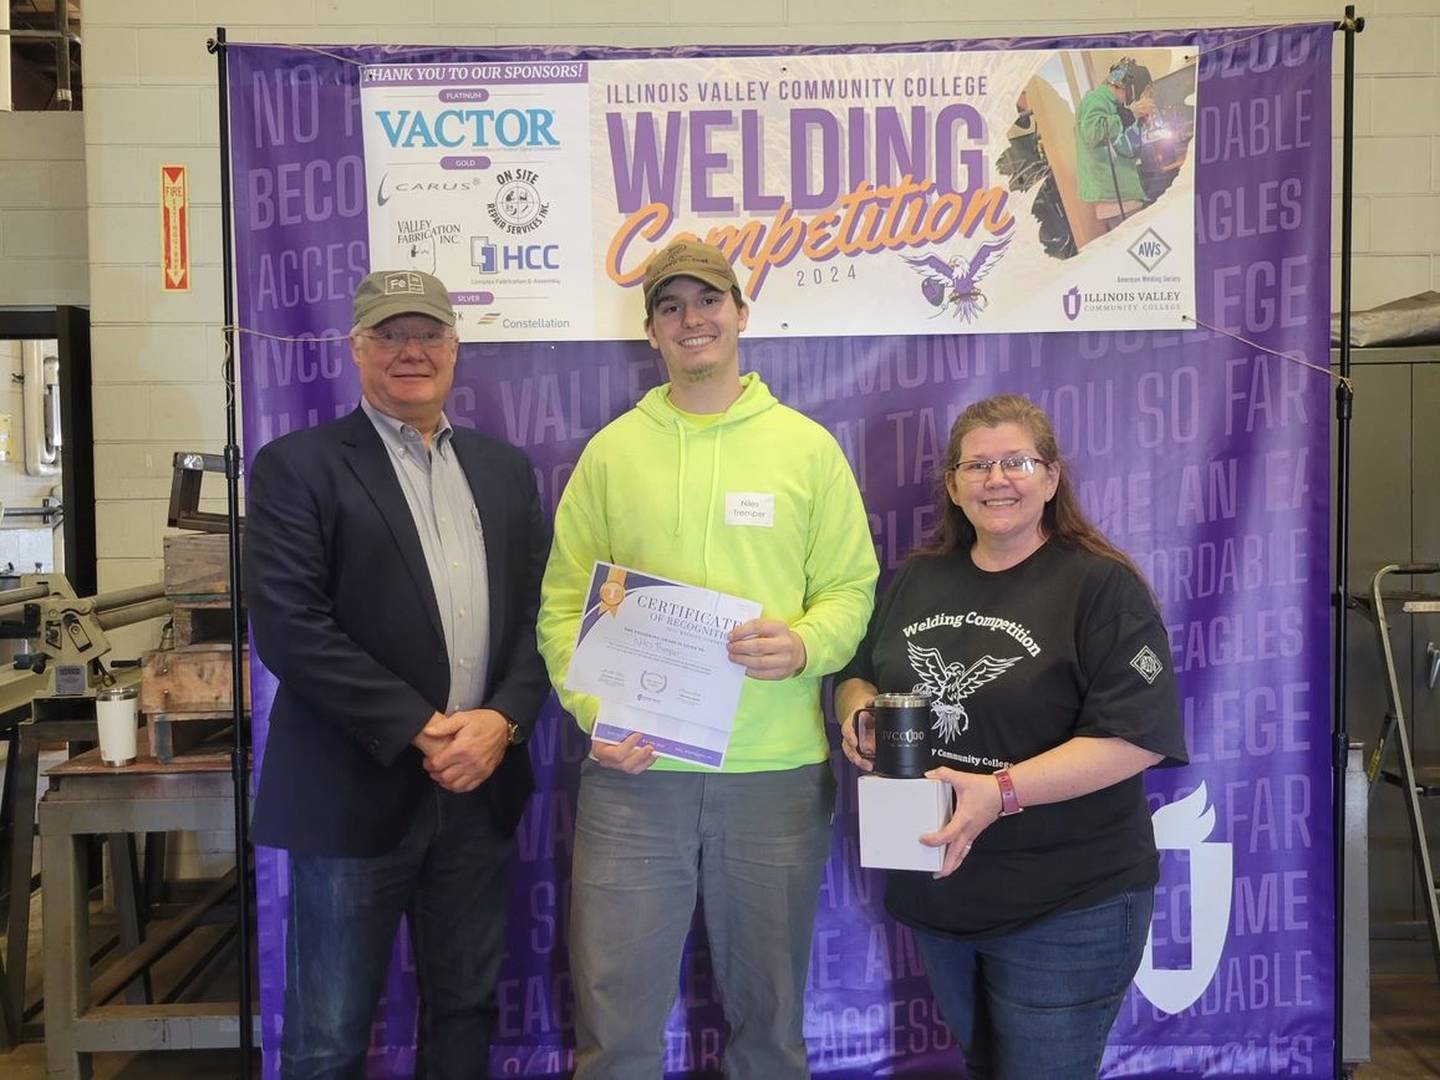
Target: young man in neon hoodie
{"type": "Point", "coordinates": [659, 490]}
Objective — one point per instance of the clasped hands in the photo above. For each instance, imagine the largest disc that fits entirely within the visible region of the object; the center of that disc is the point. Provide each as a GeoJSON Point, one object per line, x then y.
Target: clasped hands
{"type": "Point", "coordinates": [766, 648]}
{"type": "Point", "coordinates": [462, 750]}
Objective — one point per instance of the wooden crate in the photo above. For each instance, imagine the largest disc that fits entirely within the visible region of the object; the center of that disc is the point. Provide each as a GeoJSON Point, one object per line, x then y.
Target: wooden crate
{"type": "Point", "coordinates": [205, 622]}
{"type": "Point", "coordinates": [197, 565]}
{"type": "Point", "coordinates": [172, 734]}
{"type": "Point", "coordinates": [191, 679]}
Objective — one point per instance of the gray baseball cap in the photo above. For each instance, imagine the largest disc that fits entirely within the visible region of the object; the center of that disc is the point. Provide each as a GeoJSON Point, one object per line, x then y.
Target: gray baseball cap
{"type": "Point", "coordinates": [387, 293]}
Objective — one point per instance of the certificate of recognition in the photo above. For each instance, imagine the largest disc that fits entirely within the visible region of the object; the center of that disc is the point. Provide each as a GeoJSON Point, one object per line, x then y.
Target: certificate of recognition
{"type": "Point", "coordinates": [654, 652]}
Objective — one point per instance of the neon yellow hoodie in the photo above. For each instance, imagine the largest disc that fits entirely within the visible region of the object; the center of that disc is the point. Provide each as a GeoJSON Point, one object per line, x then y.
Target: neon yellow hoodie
{"type": "Point", "coordinates": [649, 492]}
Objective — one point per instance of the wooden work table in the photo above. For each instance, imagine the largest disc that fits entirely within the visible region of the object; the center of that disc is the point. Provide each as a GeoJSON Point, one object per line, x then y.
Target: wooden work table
{"type": "Point", "coordinates": [87, 798]}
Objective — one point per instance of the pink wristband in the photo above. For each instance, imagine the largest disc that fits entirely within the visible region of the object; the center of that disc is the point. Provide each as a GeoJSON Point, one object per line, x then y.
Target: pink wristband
{"type": "Point", "coordinates": [1009, 801]}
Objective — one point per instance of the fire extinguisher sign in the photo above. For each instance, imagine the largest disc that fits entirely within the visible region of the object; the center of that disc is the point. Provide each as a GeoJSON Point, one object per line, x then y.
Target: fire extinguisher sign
{"type": "Point", "coordinates": [175, 228]}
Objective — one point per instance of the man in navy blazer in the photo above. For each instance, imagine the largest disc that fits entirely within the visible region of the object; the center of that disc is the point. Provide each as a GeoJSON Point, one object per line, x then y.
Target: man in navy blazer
{"type": "Point", "coordinates": [392, 574]}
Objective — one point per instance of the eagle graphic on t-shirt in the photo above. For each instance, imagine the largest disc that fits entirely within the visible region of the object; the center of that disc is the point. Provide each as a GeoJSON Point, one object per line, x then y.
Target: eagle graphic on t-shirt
{"type": "Point", "coordinates": [950, 684]}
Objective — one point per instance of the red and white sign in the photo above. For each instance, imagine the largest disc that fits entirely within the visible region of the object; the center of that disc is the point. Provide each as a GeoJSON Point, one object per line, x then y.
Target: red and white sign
{"type": "Point", "coordinates": [175, 227]}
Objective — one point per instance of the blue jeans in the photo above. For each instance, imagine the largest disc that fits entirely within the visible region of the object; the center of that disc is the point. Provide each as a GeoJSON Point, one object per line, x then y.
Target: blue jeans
{"type": "Point", "coordinates": [448, 875]}
{"type": "Point", "coordinates": [1038, 1004]}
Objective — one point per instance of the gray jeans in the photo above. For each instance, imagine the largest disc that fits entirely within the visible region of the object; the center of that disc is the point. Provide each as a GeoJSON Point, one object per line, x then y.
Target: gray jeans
{"type": "Point", "coordinates": [752, 846]}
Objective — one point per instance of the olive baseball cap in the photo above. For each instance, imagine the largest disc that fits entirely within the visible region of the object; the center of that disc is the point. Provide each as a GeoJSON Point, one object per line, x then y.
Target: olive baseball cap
{"type": "Point", "coordinates": [387, 293]}
{"type": "Point", "coordinates": [689, 258]}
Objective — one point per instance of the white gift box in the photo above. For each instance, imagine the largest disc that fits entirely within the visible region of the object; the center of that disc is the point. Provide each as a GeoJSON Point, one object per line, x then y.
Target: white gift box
{"type": "Point", "coordinates": [894, 814]}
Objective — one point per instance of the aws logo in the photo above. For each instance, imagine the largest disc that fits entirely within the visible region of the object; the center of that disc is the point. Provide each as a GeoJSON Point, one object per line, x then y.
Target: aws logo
{"type": "Point", "coordinates": [1150, 250]}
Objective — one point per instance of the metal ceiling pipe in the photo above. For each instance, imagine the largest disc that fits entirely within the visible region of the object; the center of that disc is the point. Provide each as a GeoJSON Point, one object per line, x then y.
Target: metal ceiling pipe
{"type": "Point", "coordinates": [64, 99]}
{"type": "Point", "coordinates": [7, 103]}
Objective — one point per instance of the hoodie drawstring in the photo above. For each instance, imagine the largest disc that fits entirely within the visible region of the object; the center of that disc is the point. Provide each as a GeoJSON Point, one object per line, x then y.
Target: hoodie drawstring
{"type": "Point", "coordinates": [710, 502]}
{"type": "Point", "coordinates": [680, 479]}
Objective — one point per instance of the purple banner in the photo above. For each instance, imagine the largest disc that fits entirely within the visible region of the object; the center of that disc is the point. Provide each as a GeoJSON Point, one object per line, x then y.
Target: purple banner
{"type": "Point", "coordinates": [1205, 458]}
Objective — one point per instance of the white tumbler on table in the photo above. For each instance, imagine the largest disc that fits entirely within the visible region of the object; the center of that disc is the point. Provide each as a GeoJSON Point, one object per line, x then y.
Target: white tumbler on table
{"type": "Point", "coordinates": [117, 713]}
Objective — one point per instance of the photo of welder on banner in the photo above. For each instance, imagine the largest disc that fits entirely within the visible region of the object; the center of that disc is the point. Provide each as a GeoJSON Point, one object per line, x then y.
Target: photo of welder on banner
{"type": "Point", "coordinates": [1102, 136]}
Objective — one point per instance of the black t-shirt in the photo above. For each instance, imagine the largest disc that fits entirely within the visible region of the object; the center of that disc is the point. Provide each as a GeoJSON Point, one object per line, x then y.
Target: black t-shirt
{"type": "Point", "coordinates": [1017, 662]}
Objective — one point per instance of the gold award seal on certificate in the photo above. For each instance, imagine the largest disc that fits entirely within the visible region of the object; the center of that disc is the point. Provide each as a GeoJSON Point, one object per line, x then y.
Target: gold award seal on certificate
{"type": "Point", "coordinates": [612, 593]}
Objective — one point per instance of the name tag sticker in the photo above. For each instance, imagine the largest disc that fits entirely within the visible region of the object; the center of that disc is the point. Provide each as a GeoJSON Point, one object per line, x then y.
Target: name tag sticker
{"type": "Point", "coordinates": [750, 508]}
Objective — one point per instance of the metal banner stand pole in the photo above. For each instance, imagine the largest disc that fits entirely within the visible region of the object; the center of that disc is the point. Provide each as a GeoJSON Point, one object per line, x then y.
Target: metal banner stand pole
{"type": "Point", "coordinates": [1344, 401]}
{"type": "Point", "coordinates": [239, 755]}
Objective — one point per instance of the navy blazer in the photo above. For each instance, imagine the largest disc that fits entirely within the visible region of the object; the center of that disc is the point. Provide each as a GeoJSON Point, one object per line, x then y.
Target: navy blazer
{"type": "Point", "coordinates": [342, 611]}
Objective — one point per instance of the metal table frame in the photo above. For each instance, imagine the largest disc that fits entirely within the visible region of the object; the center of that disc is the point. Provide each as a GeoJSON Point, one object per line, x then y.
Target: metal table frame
{"type": "Point", "coordinates": [69, 720]}
{"type": "Point", "coordinates": [23, 774]}
{"type": "Point", "coordinates": [145, 797]}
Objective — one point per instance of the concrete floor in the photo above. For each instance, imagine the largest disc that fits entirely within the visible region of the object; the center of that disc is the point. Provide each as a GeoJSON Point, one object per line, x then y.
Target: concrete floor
{"type": "Point", "coordinates": [1404, 1027]}
{"type": "Point", "coordinates": [28, 1063]}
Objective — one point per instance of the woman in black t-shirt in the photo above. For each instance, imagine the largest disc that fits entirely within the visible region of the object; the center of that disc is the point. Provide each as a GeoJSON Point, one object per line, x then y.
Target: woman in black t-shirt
{"type": "Point", "coordinates": [1048, 669]}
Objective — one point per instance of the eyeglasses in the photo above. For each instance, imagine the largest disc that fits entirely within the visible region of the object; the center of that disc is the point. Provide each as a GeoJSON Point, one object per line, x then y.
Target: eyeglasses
{"type": "Point", "coordinates": [977, 470]}
{"type": "Point", "coordinates": [388, 339]}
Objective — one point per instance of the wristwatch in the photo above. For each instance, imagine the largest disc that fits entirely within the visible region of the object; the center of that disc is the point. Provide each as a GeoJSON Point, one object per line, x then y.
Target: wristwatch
{"type": "Point", "coordinates": [1009, 801]}
{"type": "Point", "coordinates": [514, 734]}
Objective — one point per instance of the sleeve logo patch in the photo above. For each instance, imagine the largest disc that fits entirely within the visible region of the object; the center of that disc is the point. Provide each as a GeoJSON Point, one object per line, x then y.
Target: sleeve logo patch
{"type": "Point", "coordinates": [1147, 664]}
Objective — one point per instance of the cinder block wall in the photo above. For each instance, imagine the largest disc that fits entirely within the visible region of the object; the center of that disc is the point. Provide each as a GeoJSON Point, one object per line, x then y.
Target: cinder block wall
{"type": "Point", "coordinates": [42, 209]}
